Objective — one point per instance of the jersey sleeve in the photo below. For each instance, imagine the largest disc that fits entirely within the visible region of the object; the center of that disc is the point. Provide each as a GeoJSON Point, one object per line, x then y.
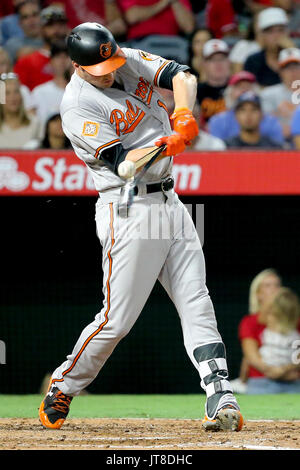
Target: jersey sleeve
{"type": "Point", "coordinates": [92, 132]}
{"type": "Point", "coordinates": [147, 65]}
{"type": "Point", "coordinates": [96, 136]}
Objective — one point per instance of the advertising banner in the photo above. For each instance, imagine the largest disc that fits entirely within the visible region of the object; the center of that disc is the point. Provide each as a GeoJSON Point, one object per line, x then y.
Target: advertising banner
{"type": "Point", "coordinates": [48, 172]}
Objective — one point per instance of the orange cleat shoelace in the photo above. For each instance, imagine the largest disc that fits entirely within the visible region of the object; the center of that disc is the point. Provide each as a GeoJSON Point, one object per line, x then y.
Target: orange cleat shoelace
{"type": "Point", "coordinates": [62, 402]}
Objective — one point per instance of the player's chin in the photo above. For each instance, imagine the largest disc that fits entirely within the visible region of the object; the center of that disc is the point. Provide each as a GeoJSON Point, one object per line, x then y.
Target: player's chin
{"type": "Point", "coordinates": [107, 83]}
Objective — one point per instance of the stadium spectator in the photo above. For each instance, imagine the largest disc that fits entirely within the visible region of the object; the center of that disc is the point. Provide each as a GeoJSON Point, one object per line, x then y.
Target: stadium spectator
{"type": "Point", "coordinates": [6, 67]}
{"type": "Point", "coordinates": [105, 12]}
{"type": "Point", "coordinates": [272, 24]}
{"type": "Point", "coordinates": [162, 17]}
{"type": "Point", "coordinates": [245, 47]}
{"type": "Point", "coordinates": [197, 41]}
{"type": "Point", "coordinates": [5, 64]}
{"type": "Point", "coordinates": [54, 134]}
{"type": "Point", "coordinates": [29, 19]}
{"type": "Point", "coordinates": [262, 288]}
{"type": "Point", "coordinates": [114, 21]}
{"type": "Point", "coordinates": [279, 341]}
{"type": "Point", "coordinates": [210, 93]}
{"type": "Point", "coordinates": [278, 99]}
{"type": "Point", "coordinates": [256, 6]}
{"type": "Point", "coordinates": [249, 115]}
{"type": "Point", "coordinates": [25, 50]}
{"type": "Point", "coordinates": [224, 125]}
{"type": "Point", "coordinates": [275, 372]}
{"type": "Point", "coordinates": [221, 18]}
{"type": "Point", "coordinates": [294, 24]}
{"type": "Point", "coordinates": [198, 7]}
{"type": "Point", "coordinates": [6, 8]}
{"type": "Point", "coordinates": [10, 26]}
{"type": "Point", "coordinates": [47, 97]}
{"type": "Point", "coordinates": [205, 141]}
{"type": "Point", "coordinates": [295, 127]}
{"type": "Point", "coordinates": [18, 129]}
{"type": "Point", "coordinates": [34, 69]}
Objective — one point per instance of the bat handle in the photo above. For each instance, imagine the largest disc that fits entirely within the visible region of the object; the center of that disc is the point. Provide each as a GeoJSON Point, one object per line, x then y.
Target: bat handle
{"type": "Point", "coordinates": [126, 199]}
{"type": "Point", "coordinates": [127, 192]}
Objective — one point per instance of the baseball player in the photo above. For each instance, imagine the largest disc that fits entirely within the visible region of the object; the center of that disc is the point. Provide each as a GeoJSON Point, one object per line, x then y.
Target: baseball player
{"type": "Point", "coordinates": [112, 113]}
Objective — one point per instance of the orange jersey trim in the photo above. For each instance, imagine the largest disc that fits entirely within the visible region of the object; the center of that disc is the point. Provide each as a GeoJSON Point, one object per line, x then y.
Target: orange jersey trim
{"type": "Point", "coordinates": [159, 70]}
{"type": "Point", "coordinates": [104, 146]}
{"type": "Point", "coordinates": [108, 300]}
{"type": "Point", "coordinates": [135, 123]}
{"type": "Point", "coordinates": [149, 96]}
{"type": "Point", "coordinates": [162, 105]}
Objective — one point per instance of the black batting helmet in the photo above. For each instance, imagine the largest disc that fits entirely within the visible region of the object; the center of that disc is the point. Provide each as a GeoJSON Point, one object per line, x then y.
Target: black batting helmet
{"type": "Point", "coordinates": [92, 46]}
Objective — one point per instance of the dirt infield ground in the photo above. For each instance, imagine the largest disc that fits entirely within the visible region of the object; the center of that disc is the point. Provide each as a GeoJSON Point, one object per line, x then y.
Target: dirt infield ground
{"type": "Point", "coordinates": [139, 434]}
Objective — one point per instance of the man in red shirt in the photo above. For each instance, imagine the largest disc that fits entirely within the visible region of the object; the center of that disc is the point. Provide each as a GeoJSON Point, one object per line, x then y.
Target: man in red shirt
{"type": "Point", "coordinates": [6, 8]}
{"type": "Point", "coordinates": [220, 18]}
{"type": "Point", "coordinates": [34, 69]}
{"type": "Point", "coordinates": [166, 17]}
{"type": "Point", "coordinates": [82, 11]}
{"type": "Point", "coordinates": [105, 12]}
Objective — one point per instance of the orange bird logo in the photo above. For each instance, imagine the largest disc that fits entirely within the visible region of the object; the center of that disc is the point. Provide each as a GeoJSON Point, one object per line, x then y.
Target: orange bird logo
{"type": "Point", "coordinates": [105, 50]}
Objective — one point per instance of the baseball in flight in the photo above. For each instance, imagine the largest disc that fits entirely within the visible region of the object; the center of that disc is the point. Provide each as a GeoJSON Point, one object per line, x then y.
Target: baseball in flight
{"type": "Point", "coordinates": [126, 169]}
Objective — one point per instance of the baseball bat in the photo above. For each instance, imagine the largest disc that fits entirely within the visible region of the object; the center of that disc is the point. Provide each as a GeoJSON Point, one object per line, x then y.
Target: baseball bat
{"type": "Point", "coordinates": [147, 160]}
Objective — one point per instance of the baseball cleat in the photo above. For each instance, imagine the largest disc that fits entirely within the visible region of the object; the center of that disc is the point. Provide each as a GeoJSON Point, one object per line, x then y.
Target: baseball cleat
{"type": "Point", "coordinates": [227, 419]}
{"type": "Point", "coordinates": [54, 408]}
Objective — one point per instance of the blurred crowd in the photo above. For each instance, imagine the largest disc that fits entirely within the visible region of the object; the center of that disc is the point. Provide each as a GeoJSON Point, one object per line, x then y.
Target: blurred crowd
{"type": "Point", "coordinates": [245, 54]}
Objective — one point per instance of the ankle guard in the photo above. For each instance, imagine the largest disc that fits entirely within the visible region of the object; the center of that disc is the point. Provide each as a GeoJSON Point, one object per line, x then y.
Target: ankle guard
{"type": "Point", "coordinates": [214, 374]}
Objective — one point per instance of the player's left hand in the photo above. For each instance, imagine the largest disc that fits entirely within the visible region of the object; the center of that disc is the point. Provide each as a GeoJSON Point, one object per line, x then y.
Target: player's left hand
{"type": "Point", "coordinates": [185, 124]}
{"type": "Point", "coordinates": [175, 144]}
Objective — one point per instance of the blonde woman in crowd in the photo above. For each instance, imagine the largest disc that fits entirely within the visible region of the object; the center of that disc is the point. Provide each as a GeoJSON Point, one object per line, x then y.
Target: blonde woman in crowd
{"type": "Point", "coordinates": [18, 129]}
{"type": "Point", "coordinates": [264, 285]}
{"type": "Point", "coordinates": [280, 345]}
{"type": "Point", "coordinates": [264, 288]}
{"type": "Point", "coordinates": [6, 67]}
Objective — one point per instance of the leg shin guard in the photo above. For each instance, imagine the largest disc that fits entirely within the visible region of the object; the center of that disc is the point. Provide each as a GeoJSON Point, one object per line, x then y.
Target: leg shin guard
{"type": "Point", "coordinates": [214, 377]}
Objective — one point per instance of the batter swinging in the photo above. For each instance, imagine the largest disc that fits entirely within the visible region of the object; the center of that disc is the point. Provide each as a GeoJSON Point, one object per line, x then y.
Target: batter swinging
{"type": "Point", "coordinates": [111, 112]}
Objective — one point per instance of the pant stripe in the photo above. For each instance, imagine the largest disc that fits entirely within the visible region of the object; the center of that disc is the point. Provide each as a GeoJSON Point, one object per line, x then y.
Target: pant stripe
{"type": "Point", "coordinates": [108, 300]}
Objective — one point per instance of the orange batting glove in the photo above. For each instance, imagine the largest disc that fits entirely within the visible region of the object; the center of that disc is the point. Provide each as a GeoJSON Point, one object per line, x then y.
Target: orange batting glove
{"type": "Point", "coordinates": [185, 124]}
{"type": "Point", "coordinates": [175, 144]}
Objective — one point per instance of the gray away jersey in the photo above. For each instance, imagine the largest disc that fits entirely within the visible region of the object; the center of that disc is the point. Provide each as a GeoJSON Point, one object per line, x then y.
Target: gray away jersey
{"type": "Point", "coordinates": [97, 119]}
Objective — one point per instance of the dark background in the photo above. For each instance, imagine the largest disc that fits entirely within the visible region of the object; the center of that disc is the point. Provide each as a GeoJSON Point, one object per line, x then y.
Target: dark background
{"type": "Point", "coordinates": [51, 288]}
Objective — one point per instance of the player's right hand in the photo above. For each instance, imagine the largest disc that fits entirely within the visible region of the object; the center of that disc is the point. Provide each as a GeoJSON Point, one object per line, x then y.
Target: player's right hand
{"type": "Point", "coordinates": [175, 144]}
